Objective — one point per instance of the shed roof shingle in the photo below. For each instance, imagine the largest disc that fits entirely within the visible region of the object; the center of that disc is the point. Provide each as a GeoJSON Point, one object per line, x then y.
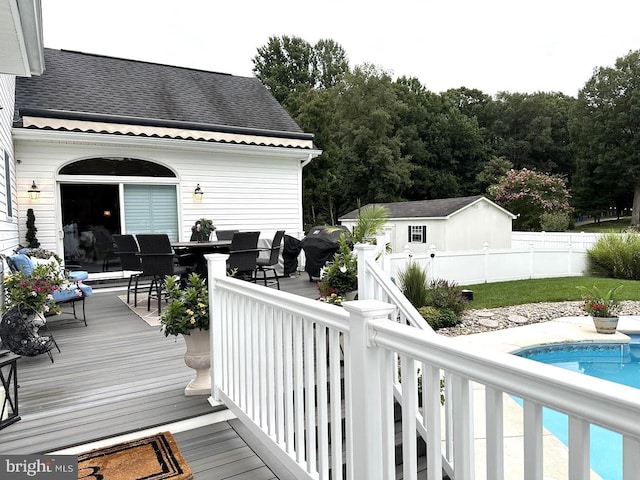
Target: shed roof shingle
{"type": "Point", "coordinates": [95, 84]}
{"type": "Point", "coordinates": [438, 208]}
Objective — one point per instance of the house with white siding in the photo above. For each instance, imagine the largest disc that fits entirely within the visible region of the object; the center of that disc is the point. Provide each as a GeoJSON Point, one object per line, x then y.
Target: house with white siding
{"type": "Point", "coordinates": [461, 223]}
{"type": "Point", "coordinates": [119, 146]}
{"type": "Point", "coordinates": [21, 54]}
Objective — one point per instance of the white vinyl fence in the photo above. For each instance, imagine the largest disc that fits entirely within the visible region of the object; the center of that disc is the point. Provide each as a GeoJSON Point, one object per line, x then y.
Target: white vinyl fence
{"type": "Point", "coordinates": [577, 240]}
{"type": "Point", "coordinates": [494, 265]}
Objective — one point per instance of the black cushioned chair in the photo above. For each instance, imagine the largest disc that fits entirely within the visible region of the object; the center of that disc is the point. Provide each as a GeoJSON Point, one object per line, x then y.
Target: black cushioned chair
{"type": "Point", "coordinates": [130, 260]}
{"type": "Point", "coordinates": [158, 261]}
{"type": "Point", "coordinates": [243, 254]}
{"type": "Point", "coordinates": [267, 265]}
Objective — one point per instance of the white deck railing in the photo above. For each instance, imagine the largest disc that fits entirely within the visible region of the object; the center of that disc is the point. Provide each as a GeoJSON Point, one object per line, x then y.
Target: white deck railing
{"type": "Point", "coordinates": [278, 360]}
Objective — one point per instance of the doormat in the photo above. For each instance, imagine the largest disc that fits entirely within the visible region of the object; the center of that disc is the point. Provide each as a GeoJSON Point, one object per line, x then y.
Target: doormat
{"type": "Point", "coordinates": [151, 458]}
{"type": "Point", "coordinates": [150, 316]}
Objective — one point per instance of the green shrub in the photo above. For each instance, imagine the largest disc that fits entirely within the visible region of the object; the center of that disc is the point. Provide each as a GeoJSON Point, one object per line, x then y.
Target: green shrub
{"type": "Point", "coordinates": [554, 222]}
{"type": "Point", "coordinates": [445, 295]}
{"type": "Point", "coordinates": [413, 284]}
{"type": "Point", "coordinates": [615, 256]}
{"type": "Point", "coordinates": [439, 318]}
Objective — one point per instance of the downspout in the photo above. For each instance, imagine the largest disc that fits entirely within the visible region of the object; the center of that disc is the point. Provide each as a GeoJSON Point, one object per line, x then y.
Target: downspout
{"type": "Point", "coordinates": [307, 161]}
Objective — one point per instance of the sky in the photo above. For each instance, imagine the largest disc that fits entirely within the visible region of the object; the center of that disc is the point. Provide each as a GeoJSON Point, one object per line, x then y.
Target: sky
{"type": "Point", "coordinates": [523, 46]}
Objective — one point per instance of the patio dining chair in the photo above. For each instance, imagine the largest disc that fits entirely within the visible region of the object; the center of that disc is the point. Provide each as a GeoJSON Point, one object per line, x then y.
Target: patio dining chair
{"type": "Point", "coordinates": [130, 260]}
{"type": "Point", "coordinates": [158, 261]}
{"type": "Point", "coordinates": [225, 234]}
{"type": "Point", "coordinates": [267, 265]}
{"type": "Point", "coordinates": [243, 254]}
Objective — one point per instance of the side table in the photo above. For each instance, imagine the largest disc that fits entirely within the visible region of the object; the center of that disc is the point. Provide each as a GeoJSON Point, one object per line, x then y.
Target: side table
{"type": "Point", "coordinates": [9, 389]}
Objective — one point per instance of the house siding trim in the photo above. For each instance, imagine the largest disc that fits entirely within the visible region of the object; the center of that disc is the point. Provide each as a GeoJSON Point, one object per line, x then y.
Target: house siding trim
{"type": "Point", "coordinates": [108, 140]}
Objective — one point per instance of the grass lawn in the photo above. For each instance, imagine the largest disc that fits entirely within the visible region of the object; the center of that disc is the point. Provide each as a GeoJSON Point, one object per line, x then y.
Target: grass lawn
{"type": "Point", "coordinates": [605, 226]}
{"type": "Point", "coordinates": [502, 294]}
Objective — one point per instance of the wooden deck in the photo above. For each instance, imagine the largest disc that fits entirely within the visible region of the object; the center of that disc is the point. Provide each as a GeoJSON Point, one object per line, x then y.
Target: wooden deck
{"type": "Point", "coordinates": [119, 375]}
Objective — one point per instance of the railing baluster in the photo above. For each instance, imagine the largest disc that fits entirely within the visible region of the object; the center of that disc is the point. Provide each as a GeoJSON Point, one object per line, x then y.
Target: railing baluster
{"type": "Point", "coordinates": [431, 418]}
{"type": "Point", "coordinates": [388, 368]}
{"type": "Point", "coordinates": [288, 384]}
{"type": "Point", "coordinates": [262, 368]}
{"type": "Point", "coordinates": [245, 372]}
{"type": "Point", "coordinates": [310, 401]}
{"type": "Point", "coordinates": [630, 457]}
{"type": "Point", "coordinates": [463, 434]}
{"type": "Point", "coordinates": [279, 377]}
{"type": "Point", "coordinates": [579, 451]}
{"type": "Point", "coordinates": [495, 433]}
{"type": "Point", "coordinates": [270, 371]}
{"type": "Point", "coordinates": [335, 394]}
{"type": "Point", "coordinates": [532, 440]}
{"type": "Point", "coordinates": [298, 385]}
{"type": "Point", "coordinates": [323, 429]}
{"type": "Point", "coordinates": [409, 408]}
{"type": "Point", "coordinates": [255, 364]}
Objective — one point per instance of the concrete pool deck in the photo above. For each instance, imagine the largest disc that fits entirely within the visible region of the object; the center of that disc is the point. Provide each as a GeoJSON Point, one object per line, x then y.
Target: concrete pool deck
{"type": "Point", "coordinates": [561, 330]}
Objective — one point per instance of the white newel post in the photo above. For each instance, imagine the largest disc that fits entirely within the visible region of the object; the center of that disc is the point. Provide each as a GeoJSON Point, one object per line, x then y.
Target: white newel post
{"type": "Point", "coordinates": [364, 252]}
{"type": "Point", "coordinates": [216, 267]}
{"type": "Point", "coordinates": [367, 429]}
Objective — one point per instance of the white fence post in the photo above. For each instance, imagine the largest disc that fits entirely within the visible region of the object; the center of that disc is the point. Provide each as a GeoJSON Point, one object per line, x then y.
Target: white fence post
{"type": "Point", "coordinates": [366, 389]}
{"type": "Point", "coordinates": [432, 263]}
{"type": "Point", "coordinates": [485, 249]}
{"type": "Point", "coordinates": [216, 267]}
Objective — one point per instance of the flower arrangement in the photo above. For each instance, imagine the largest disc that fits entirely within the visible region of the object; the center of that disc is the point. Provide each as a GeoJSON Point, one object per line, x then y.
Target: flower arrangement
{"type": "Point", "coordinates": [599, 303]}
{"type": "Point", "coordinates": [201, 230]}
{"type": "Point", "coordinates": [35, 291]}
{"type": "Point", "coordinates": [188, 308]}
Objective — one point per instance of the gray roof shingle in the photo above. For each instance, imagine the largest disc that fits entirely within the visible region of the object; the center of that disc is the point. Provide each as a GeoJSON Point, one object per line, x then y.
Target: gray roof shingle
{"type": "Point", "coordinates": [438, 208]}
{"type": "Point", "coordinates": [95, 84]}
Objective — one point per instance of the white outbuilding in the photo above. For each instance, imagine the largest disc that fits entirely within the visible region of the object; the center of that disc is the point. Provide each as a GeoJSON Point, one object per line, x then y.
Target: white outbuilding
{"type": "Point", "coordinates": [462, 223]}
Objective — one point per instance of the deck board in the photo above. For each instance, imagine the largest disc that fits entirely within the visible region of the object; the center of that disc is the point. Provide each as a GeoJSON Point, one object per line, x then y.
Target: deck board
{"type": "Point", "coordinates": [119, 375]}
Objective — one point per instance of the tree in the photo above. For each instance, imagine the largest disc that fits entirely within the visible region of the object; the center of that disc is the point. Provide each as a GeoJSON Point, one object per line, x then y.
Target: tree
{"type": "Point", "coordinates": [529, 195]}
{"type": "Point", "coordinates": [290, 66]}
{"type": "Point", "coordinates": [331, 63]}
{"type": "Point", "coordinates": [368, 114]}
{"type": "Point", "coordinates": [492, 172]}
{"type": "Point", "coordinates": [532, 131]}
{"type": "Point", "coordinates": [606, 133]}
{"type": "Point", "coordinates": [286, 66]}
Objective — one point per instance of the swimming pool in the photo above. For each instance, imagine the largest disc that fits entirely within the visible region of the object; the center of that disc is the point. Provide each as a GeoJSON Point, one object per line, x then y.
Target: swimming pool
{"type": "Point", "coordinates": [618, 363]}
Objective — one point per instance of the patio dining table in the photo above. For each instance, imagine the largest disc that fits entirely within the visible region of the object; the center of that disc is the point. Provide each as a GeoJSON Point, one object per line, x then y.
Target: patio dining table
{"type": "Point", "coordinates": [199, 249]}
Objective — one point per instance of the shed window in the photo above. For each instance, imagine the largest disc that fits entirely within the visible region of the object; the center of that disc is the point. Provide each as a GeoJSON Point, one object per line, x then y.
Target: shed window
{"type": "Point", "coordinates": [417, 234]}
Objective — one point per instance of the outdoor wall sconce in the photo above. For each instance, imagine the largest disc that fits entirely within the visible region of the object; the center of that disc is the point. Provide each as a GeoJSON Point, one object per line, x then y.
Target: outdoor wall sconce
{"type": "Point", "coordinates": [198, 194]}
{"type": "Point", "coordinates": [34, 192]}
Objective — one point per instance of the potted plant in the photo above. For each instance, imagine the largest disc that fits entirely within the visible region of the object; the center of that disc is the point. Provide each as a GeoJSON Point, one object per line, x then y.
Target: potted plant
{"type": "Point", "coordinates": [33, 293]}
{"type": "Point", "coordinates": [187, 314]}
{"type": "Point", "coordinates": [201, 230]}
{"type": "Point", "coordinates": [602, 306]}
{"type": "Point", "coordinates": [340, 279]}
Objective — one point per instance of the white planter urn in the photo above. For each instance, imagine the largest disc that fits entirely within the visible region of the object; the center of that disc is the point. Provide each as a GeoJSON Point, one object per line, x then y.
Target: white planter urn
{"type": "Point", "coordinates": [198, 357]}
{"type": "Point", "coordinates": [606, 325]}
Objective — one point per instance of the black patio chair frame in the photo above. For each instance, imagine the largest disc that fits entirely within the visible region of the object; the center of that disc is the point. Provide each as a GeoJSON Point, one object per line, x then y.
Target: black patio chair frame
{"type": "Point", "coordinates": [267, 266]}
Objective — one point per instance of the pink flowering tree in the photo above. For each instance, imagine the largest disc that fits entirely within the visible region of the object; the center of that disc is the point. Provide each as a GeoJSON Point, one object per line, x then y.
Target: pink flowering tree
{"type": "Point", "coordinates": [530, 194]}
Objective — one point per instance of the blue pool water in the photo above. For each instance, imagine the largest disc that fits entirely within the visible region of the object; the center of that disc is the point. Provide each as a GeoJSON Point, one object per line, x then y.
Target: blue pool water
{"type": "Point", "coordinates": [614, 362]}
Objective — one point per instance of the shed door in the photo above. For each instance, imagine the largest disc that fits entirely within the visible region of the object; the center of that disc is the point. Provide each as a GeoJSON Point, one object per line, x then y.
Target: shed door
{"type": "Point", "coordinates": [151, 209]}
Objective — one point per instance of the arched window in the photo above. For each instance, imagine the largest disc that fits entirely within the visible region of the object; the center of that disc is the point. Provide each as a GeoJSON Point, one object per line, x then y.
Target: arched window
{"type": "Point", "coordinates": [128, 167]}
